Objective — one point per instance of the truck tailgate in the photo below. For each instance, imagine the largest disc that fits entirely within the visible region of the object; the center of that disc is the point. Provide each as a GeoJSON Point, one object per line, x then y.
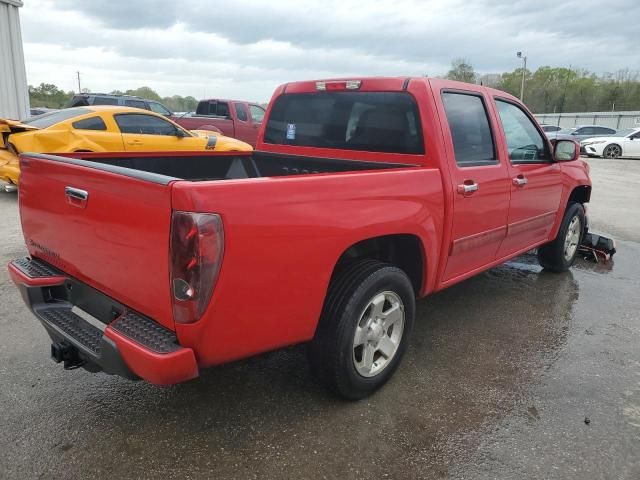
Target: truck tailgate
{"type": "Point", "coordinates": [117, 240]}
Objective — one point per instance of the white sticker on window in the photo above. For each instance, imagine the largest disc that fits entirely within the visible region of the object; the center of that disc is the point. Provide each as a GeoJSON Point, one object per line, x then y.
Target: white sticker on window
{"type": "Point", "coordinates": [291, 131]}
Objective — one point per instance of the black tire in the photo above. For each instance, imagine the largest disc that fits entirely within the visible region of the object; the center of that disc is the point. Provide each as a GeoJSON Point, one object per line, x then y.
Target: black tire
{"type": "Point", "coordinates": [331, 353]}
{"type": "Point", "coordinates": [552, 256]}
{"type": "Point", "coordinates": [612, 151]}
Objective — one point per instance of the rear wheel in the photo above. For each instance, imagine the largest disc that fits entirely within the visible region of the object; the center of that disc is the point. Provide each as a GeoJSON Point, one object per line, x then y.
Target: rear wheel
{"type": "Point", "coordinates": [612, 151]}
{"type": "Point", "coordinates": [559, 255]}
{"type": "Point", "coordinates": [362, 334]}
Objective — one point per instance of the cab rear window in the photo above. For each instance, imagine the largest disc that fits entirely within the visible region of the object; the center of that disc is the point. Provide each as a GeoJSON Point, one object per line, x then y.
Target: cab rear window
{"type": "Point", "coordinates": [367, 121]}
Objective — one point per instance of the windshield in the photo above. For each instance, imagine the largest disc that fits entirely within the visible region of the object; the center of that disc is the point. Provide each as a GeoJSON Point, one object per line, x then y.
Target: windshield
{"type": "Point", "coordinates": [625, 132]}
{"type": "Point", "coordinates": [47, 119]}
{"type": "Point", "coordinates": [367, 121]}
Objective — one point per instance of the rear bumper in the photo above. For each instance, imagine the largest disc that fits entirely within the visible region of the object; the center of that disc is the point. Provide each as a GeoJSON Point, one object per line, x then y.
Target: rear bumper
{"type": "Point", "coordinates": [123, 343]}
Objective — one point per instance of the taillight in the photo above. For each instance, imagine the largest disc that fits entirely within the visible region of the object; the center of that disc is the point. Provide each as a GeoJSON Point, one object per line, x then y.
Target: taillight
{"type": "Point", "coordinates": [339, 85]}
{"type": "Point", "coordinates": [197, 246]}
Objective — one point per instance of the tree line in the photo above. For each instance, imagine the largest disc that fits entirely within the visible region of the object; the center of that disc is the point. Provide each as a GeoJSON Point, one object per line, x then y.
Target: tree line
{"type": "Point", "coordinates": [560, 89]}
{"type": "Point", "coordinates": [50, 96]}
{"type": "Point", "coordinates": [546, 90]}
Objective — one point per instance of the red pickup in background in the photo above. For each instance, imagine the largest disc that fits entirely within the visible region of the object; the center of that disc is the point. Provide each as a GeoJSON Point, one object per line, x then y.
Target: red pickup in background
{"type": "Point", "coordinates": [362, 195]}
{"type": "Point", "coordinates": [233, 118]}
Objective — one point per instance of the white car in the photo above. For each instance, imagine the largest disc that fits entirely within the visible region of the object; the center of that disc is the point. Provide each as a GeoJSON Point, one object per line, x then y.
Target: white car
{"type": "Point", "coordinates": [625, 143]}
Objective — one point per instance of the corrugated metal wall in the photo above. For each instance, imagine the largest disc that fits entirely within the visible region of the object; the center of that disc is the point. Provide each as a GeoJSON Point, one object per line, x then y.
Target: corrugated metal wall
{"type": "Point", "coordinates": [617, 120]}
{"type": "Point", "coordinates": [14, 96]}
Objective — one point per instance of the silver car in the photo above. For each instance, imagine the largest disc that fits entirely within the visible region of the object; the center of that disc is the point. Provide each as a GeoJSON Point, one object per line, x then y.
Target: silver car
{"type": "Point", "coordinates": [580, 132]}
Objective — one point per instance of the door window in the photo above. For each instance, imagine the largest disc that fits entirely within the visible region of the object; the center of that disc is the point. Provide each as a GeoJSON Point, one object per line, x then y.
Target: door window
{"type": "Point", "coordinates": [524, 141]}
{"type": "Point", "coordinates": [603, 131]}
{"type": "Point", "coordinates": [241, 112]}
{"type": "Point", "coordinates": [91, 123]}
{"type": "Point", "coordinates": [159, 108]}
{"type": "Point", "coordinates": [470, 129]}
{"type": "Point", "coordinates": [144, 124]}
{"type": "Point", "coordinates": [257, 113]}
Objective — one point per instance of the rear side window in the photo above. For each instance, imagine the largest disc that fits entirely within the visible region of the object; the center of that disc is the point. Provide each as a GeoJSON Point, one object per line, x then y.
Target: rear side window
{"type": "Point", "coordinates": [104, 101]}
{"type": "Point", "coordinates": [257, 113]}
{"type": "Point", "coordinates": [367, 121]}
{"type": "Point", "coordinates": [470, 130]}
{"type": "Point", "coordinates": [91, 123]}
{"type": "Point", "coordinates": [136, 104]}
{"type": "Point", "coordinates": [241, 112]}
{"type": "Point", "coordinates": [144, 124]}
{"type": "Point", "coordinates": [603, 131]}
{"type": "Point", "coordinates": [47, 119]}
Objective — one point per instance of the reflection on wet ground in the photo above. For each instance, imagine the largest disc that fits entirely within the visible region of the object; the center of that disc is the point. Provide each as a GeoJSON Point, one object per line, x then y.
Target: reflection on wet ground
{"type": "Point", "coordinates": [478, 349]}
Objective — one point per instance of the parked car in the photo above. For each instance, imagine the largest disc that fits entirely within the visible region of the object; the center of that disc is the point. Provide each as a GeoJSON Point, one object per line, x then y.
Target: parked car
{"type": "Point", "coordinates": [234, 118]}
{"type": "Point", "coordinates": [100, 129]}
{"type": "Point", "coordinates": [362, 195]}
{"type": "Point", "coordinates": [580, 132]}
{"type": "Point", "coordinates": [550, 128]}
{"type": "Point", "coordinates": [91, 99]}
{"type": "Point", "coordinates": [625, 143]}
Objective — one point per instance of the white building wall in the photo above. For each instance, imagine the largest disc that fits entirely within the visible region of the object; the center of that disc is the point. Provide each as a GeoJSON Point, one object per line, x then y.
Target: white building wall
{"type": "Point", "coordinates": [616, 120]}
{"type": "Point", "coordinates": [14, 96]}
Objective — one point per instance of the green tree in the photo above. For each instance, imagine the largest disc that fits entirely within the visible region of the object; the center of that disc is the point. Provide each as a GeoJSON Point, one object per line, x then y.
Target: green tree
{"type": "Point", "coordinates": [48, 95]}
{"type": "Point", "coordinates": [462, 70]}
{"type": "Point", "coordinates": [145, 92]}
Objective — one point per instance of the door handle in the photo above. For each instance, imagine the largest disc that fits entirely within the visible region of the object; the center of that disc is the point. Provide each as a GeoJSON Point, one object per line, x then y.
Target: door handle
{"type": "Point", "coordinates": [468, 187]}
{"type": "Point", "coordinates": [134, 142]}
{"type": "Point", "coordinates": [520, 181]}
{"type": "Point", "coordinates": [76, 197]}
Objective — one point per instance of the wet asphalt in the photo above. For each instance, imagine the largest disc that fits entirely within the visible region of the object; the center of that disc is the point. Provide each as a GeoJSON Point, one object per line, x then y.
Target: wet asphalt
{"type": "Point", "coordinates": [516, 373]}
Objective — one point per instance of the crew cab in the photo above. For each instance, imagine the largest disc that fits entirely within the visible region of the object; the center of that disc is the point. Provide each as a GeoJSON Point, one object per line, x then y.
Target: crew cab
{"type": "Point", "coordinates": [362, 196]}
{"type": "Point", "coordinates": [233, 118]}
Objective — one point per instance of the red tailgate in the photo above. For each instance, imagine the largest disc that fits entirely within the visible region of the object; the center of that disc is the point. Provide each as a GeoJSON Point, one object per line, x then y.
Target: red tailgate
{"type": "Point", "coordinates": [117, 240]}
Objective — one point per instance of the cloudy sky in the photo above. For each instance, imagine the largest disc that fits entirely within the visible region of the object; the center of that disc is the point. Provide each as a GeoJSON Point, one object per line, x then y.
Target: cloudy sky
{"type": "Point", "coordinates": [244, 48]}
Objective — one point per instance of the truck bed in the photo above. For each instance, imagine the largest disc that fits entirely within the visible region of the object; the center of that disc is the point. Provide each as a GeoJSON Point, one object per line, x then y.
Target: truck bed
{"type": "Point", "coordinates": [199, 166]}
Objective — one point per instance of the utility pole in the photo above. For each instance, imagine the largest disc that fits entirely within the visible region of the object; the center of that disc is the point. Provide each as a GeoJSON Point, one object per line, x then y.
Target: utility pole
{"type": "Point", "coordinates": [524, 69]}
{"type": "Point", "coordinates": [79, 89]}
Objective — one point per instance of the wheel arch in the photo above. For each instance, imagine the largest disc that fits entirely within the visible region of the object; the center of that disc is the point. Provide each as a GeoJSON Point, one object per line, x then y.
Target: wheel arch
{"type": "Point", "coordinates": [404, 250]}
{"type": "Point", "coordinates": [580, 194]}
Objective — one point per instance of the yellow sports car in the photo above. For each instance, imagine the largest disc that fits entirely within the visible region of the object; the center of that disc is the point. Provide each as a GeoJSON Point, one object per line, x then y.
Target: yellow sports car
{"type": "Point", "coordinates": [102, 128]}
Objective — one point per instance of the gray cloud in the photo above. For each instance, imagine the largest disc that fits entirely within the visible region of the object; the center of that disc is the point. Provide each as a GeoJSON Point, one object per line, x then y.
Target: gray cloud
{"type": "Point", "coordinates": [291, 40]}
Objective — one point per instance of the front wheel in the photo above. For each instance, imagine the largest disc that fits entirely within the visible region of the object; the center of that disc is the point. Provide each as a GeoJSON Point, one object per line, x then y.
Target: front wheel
{"type": "Point", "coordinates": [612, 151]}
{"type": "Point", "coordinates": [362, 334]}
{"type": "Point", "coordinates": [559, 255]}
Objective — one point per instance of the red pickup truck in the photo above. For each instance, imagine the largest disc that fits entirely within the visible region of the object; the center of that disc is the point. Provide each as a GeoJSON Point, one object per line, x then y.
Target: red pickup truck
{"type": "Point", "coordinates": [233, 118]}
{"type": "Point", "coordinates": [362, 196]}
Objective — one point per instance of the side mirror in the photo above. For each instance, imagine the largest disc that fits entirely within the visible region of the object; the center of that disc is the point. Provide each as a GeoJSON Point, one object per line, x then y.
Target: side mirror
{"type": "Point", "coordinates": [180, 133]}
{"type": "Point", "coordinates": [566, 151]}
